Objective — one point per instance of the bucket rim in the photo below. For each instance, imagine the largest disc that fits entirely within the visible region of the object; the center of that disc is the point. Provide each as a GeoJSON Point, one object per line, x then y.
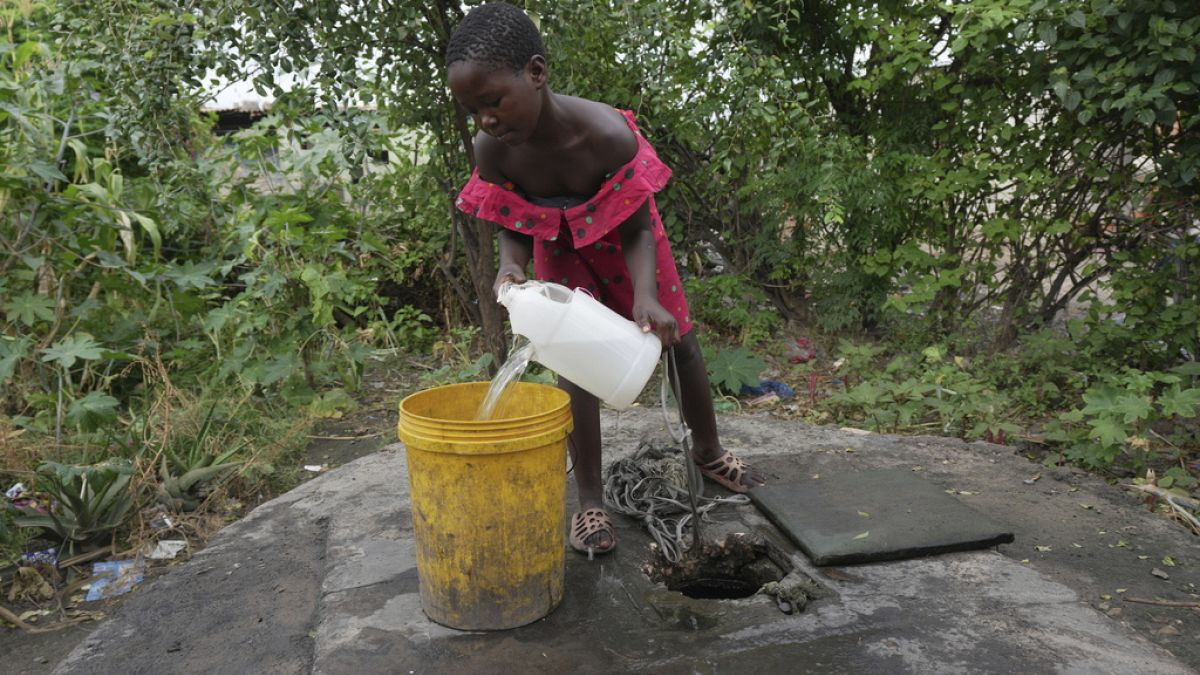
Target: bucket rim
{"type": "Point", "coordinates": [480, 424]}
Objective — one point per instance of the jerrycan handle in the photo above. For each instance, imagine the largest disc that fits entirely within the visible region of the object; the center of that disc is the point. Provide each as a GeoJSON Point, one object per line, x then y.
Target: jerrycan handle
{"type": "Point", "coordinates": [535, 309]}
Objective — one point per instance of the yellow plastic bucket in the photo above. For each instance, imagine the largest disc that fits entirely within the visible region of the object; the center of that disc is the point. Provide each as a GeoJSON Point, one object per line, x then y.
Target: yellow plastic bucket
{"type": "Point", "coordinates": [488, 502]}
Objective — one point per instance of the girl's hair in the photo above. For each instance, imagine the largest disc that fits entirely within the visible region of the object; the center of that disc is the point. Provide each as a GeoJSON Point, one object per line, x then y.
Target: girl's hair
{"type": "Point", "coordinates": [495, 35]}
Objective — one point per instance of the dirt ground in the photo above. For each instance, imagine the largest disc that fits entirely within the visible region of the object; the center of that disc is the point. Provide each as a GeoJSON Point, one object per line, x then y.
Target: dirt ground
{"type": "Point", "coordinates": [1101, 548]}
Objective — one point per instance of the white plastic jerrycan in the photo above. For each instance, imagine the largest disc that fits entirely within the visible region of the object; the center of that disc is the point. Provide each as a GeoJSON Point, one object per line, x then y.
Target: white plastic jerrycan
{"type": "Point", "coordinates": [582, 340]}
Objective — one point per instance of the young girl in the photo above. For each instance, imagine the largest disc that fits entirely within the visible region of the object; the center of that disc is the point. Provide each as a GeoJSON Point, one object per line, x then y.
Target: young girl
{"type": "Point", "coordinates": [571, 182]}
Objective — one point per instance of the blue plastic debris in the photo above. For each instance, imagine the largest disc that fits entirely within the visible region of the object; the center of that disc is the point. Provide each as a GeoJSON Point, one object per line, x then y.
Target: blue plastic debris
{"type": "Point", "coordinates": [781, 390]}
{"type": "Point", "coordinates": [46, 557]}
{"type": "Point", "coordinates": [113, 578]}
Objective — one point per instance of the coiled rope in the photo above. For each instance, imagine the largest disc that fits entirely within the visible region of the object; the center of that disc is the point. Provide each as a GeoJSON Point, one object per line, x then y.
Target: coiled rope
{"type": "Point", "coordinates": [656, 488]}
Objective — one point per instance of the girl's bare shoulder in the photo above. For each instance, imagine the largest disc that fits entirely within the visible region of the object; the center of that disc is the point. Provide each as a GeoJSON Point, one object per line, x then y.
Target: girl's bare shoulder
{"type": "Point", "coordinates": [608, 134]}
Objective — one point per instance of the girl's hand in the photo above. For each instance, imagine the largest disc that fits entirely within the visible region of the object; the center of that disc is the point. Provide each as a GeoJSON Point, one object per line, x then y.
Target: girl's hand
{"type": "Point", "coordinates": [651, 316]}
{"type": "Point", "coordinates": [508, 274]}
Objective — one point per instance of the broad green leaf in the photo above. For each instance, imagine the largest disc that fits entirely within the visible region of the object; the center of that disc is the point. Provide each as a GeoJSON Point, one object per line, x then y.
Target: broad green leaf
{"type": "Point", "coordinates": [46, 170]}
{"type": "Point", "coordinates": [1133, 408]}
{"type": "Point", "coordinates": [1108, 431]}
{"type": "Point", "coordinates": [192, 275]}
{"type": "Point", "coordinates": [29, 308]}
{"type": "Point", "coordinates": [729, 369]}
{"type": "Point", "coordinates": [11, 353]}
{"type": "Point", "coordinates": [151, 229]}
{"type": "Point", "coordinates": [1101, 399]}
{"type": "Point", "coordinates": [92, 411]}
{"type": "Point", "coordinates": [1179, 402]}
{"type": "Point", "coordinates": [65, 352]}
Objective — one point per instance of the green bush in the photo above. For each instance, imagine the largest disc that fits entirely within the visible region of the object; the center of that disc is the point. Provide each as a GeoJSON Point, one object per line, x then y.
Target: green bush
{"type": "Point", "coordinates": [732, 307]}
{"type": "Point", "coordinates": [933, 393]}
{"type": "Point", "coordinates": [1125, 416]}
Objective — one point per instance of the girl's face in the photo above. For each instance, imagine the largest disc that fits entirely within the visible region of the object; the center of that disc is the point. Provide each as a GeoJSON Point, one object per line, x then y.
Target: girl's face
{"type": "Point", "coordinates": [504, 104]}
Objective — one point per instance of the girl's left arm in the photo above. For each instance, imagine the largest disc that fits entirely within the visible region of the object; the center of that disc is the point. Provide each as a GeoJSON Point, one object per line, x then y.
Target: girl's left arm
{"type": "Point", "coordinates": [639, 248]}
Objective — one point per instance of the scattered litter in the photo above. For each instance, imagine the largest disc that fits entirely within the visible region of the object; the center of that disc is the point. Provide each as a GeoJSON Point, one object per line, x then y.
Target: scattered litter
{"type": "Point", "coordinates": [1033, 479]}
{"type": "Point", "coordinates": [46, 557]}
{"type": "Point", "coordinates": [1159, 573]}
{"type": "Point", "coordinates": [801, 351]}
{"type": "Point", "coordinates": [764, 387]}
{"type": "Point", "coordinates": [769, 397]}
{"type": "Point", "coordinates": [161, 523]}
{"type": "Point", "coordinates": [316, 468]}
{"type": "Point", "coordinates": [1168, 561]}
{"type": "Point", "coordinates": [856, 432]}
{"type": "Point", "coordinates": [113, 578]}
{"type": "Point", "coordinates": [1043, 549]}
{"type": "Point", "coordinates": [32, 614]}
{"type": "Point", "coordinates": [15, 491]}
{"type": "Point", "coordinates": [165, 549]}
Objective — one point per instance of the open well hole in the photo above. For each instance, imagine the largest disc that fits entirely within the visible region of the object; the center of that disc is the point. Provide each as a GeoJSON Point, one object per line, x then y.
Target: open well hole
{"type": "Point", "coordinates": [736, 567]}
{"type": "Point", "coordinates": [717, 588]}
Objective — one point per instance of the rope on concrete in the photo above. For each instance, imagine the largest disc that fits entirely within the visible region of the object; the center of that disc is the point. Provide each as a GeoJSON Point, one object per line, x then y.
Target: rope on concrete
{"type": "Point", "coordinates": [651, 486]}
{"type": "Point", "coordinates": [662, 487]}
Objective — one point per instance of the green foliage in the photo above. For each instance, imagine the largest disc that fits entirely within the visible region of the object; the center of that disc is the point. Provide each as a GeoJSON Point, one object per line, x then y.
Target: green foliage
{"type": "Point", "coordinates": [409, 329]}
{"type": "Point", "coordinates": [1115, 424]}
{"type": "Point", "coordinates": [457, 363]}
{"type": "Point", "coordinates": [132, 234]}
{"type": "Point", "coordinates": [89, 502]}
{"type": "Point", "coordinates": [731, 368]}
{"type": "Point", "coordinates": [1176, 477]}
{"type": "Point", "coordinates": [948, 174]}
{"type": "Point", "coordinates": [917, 394]}
{"type": "Point", "coordinates": [13, 540]}
{"type": "Point", "coordinates": [730, 306]}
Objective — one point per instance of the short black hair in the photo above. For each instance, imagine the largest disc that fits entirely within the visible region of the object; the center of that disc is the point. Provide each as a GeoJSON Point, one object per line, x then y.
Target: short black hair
{"type": "Point", "coordinates": [496, 34]}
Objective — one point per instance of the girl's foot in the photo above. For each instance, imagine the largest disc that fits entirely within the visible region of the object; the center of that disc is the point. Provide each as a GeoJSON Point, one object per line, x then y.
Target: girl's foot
{"type": "Point", "coordinates": [592, 532]}
{"type": "Point", "coordinates": [728, 471]}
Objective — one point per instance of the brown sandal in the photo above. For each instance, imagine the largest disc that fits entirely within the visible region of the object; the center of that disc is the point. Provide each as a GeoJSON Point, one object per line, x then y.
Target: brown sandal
{"type": "Point", "coordinates": [586, 523]}
{"type": "Point", "coordinates": [727, 471]}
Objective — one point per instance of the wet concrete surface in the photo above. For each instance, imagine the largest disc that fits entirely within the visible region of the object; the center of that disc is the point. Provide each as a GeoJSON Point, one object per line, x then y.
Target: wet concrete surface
{"type": "Point", "coordinates": [323, 580]}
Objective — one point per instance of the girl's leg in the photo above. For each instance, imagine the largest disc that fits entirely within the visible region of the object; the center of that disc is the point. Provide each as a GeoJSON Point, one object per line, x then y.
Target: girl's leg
{"type": "Point", "coordinates": [696, 396]}
{"type": "Point", "coordinates": [585, 454]}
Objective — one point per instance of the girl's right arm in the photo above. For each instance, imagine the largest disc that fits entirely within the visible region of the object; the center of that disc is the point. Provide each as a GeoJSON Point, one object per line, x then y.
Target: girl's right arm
{"type": "Point", "coordinates": [515, 252]}
{"type": "Point", "coordinates": [515, 249]}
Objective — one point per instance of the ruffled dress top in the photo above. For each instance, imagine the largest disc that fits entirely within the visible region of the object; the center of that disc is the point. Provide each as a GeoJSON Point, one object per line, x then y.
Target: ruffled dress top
{"type": "Point", "coordinates": [577, 243]}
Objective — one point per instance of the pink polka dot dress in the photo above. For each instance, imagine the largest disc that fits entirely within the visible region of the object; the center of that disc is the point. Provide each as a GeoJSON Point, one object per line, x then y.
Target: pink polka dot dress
{"type": "Point", "coordinates": [580, 246]}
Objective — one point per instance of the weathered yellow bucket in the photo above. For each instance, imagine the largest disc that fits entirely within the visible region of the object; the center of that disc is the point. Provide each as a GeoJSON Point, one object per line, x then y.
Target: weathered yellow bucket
{"type": "Point", "coordinates": [488, 502]}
